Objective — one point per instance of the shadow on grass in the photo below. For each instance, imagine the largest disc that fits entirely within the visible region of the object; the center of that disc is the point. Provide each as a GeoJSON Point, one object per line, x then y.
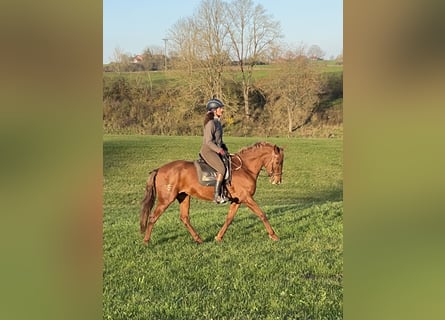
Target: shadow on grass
{"type": "Point", "coordinates": [247, 223]}
{"type": "Point", "coordinates": [293, 208]}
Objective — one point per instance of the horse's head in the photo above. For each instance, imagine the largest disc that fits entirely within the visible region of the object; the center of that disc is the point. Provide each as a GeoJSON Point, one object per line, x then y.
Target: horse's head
{"type": "Point", "coordinates": [274, 166]}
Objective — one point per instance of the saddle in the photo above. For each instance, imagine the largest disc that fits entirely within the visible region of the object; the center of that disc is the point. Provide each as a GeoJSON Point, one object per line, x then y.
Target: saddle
{"type": "Point", "coordinates": [207, 175]}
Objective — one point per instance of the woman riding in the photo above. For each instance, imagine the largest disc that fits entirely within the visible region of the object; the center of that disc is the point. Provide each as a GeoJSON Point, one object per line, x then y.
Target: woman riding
{"type": "Point", "coordinates": [213, 147]}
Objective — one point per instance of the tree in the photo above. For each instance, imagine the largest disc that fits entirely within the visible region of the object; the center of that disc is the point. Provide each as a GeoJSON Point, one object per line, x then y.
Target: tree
{"type": "Point", "coordinates": [296, 87]}
{"type": "Point", "coordinates": [120, 60]}
{"type": "Point", "coordinates": [212, 36]}
{"type": "Point", "coordinates": [200, 44]}
{"type": "Point", "coordinates": [183, 43]}
{"type": "Point", "coordinates": [339, 58]}
{"type": "Point", "coordinates": [315, 52]}
{"type": "Point", "coordinates": [252, 34]}
{"type": "Point", "coordinates": [153, 58]}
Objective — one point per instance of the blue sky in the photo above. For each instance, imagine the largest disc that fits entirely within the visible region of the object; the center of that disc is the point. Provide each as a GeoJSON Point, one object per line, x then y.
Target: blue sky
{"type": "Point", "coordinates": [133, 25]}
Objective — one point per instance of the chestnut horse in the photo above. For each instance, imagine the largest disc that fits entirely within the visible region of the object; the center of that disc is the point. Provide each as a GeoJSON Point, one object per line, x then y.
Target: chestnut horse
{"type": "Point", "coordinates": [179, 180]}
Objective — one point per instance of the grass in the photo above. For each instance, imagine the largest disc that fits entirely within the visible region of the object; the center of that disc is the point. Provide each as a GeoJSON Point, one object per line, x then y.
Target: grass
{"type": "Point", "coordinates": [159, 78]}
{"type": "Point", "coordinates": [145, 78]}
{"type": "Point", "coordinates": [247, 276]}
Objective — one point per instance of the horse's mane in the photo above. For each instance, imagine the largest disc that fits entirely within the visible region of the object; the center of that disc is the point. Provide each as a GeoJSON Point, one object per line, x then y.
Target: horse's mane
{"type": "Point", "coordinates": [255, 145]}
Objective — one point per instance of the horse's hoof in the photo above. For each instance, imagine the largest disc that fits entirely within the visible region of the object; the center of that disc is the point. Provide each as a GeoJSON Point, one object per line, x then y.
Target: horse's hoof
{"type": "Point", "coordinates": [219, 240]}
{"type": "Point", "coordinates": [274, 237]}
{"type": "Point", "coordinates": [199, 241]}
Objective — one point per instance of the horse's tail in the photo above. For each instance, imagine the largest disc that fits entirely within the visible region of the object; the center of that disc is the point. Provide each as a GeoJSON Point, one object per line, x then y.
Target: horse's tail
{"type": "Point", "coordinates": [149, 199]}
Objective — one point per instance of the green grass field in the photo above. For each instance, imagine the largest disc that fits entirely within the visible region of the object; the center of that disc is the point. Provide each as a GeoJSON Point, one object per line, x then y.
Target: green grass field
{"type": "Point", "coordinates": [247, 276]}
{"type": "Point", "coordinates": [159, 78]}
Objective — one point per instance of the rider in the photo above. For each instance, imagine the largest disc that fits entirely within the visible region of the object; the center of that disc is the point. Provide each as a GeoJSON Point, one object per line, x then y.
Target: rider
{"type": "Point", "coordinates": [213, 147]}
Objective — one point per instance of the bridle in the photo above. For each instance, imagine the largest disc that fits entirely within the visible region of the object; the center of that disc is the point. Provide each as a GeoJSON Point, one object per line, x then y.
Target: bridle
{"type": "Point", "coordinates": [272, 173]}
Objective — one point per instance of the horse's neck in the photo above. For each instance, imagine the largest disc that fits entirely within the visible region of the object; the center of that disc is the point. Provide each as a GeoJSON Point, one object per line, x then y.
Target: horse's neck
{"type": "Point", "coordinates": [253, 162]}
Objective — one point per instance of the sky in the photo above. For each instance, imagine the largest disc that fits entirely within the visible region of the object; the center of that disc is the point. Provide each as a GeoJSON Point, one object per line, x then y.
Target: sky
{"type": "Point", "coordinates": [134, 25]}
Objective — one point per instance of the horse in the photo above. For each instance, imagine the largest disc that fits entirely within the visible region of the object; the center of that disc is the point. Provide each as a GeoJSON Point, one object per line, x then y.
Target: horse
{"type": "Point", "coordinates": [178, 180]}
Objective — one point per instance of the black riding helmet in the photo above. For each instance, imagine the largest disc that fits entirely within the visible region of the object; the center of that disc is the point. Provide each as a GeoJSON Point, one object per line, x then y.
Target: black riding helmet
{"type": "Point", "coordinates": [214, 104]}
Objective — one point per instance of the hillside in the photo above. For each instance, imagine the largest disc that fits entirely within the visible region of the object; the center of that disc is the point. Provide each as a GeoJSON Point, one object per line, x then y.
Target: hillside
{"type": "Point", "coordinates": [171, 103]}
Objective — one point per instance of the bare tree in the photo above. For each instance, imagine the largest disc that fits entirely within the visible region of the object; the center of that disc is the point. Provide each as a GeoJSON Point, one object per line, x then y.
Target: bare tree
{"type": "Point", "coordinates": [252, 33]}
{"type": "Point", "coordinates": [200, 42]}
{"type": "Point", "coordinates": [297, 86]}
{"type": "Point", "coordinates": [183, 36]}
{"type": "Point", "coordinates": [120, 59]}
{"type": "Point", "coordinates": [212, 42]}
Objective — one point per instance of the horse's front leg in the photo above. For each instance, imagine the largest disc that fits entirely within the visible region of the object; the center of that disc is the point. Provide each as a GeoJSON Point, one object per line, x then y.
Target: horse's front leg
{"type": "Point", "coordinates": [252, 205]}
{"type": "Point", "coordinates": [184, 208]}
{"type": "Point", "coordinates": [232, 211]}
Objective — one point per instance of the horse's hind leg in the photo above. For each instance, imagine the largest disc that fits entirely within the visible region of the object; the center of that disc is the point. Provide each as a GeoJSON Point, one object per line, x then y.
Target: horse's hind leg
{"type": "Point", "coordinates": [160, 208]}
{"type": "Point", "coordinates": [232, 211]}
{"type": "Point", "coordinates": [184, 207]}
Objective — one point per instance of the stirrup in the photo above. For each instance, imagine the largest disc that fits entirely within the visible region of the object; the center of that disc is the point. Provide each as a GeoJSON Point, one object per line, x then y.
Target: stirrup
{"type": "Point", "coordinates": [220, 199]}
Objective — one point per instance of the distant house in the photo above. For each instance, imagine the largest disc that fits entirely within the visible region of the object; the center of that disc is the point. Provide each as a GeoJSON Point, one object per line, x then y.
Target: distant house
{"type": "Point", "coordinates": [314, 57]}
{"type": "Point", "coordinates": [138, 59]}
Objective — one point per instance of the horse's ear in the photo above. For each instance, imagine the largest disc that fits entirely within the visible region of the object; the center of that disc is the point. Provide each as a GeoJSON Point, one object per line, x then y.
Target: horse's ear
{"type": "Point", "coordinates": [276, 149]}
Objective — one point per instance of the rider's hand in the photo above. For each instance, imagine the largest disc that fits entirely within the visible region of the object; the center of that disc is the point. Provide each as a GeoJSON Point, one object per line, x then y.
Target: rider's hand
{"type": "Point", "coordinates": [221, 152]}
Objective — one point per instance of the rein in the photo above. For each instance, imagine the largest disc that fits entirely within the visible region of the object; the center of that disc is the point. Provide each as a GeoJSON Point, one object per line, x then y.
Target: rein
{"type": "Point", "coordinates": [269, 174]}
{"type": "Point", "coordinates": [240, 160]}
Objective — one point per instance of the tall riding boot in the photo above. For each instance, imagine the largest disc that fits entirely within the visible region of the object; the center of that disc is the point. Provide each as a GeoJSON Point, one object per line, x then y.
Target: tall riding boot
{"type": "Point", "coordinates": [218, 196]}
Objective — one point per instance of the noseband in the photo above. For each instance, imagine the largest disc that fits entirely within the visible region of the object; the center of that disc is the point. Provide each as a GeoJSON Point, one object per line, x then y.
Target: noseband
{"type": "Point", "coordinates": [272, 173]}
